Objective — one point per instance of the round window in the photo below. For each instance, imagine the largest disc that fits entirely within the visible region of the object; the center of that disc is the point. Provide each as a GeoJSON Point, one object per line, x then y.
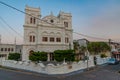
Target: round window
{"type": "Point", "coordinates": [51, 21]}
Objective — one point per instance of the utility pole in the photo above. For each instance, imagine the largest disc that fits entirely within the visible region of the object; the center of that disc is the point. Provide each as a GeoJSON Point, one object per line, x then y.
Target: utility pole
{"type": "Point", "coordinates": [15, 44]}
{"type": "Point", "coordinates": [87, 58]}
{"type": "Point", "coordinates": [109, 41]}
{"type": "Point", "coordinates": [0, 39]}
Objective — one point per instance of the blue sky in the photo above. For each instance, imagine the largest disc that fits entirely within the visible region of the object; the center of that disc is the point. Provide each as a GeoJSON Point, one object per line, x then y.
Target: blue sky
{"type": "Point", "coordinates": [98, 18]}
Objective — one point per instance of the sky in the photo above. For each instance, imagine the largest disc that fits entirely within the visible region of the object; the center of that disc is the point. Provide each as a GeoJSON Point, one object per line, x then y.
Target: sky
{"type": "Point", "coordinates": [96, 18]}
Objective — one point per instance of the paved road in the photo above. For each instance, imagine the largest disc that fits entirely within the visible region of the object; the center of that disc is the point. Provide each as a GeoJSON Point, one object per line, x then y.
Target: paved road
{"type": "Point", "coordinates": [106, 72]}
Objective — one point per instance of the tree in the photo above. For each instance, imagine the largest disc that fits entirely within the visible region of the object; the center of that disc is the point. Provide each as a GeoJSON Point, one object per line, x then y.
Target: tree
{"type": "Point", "coordinates": [98, 47]}
{"type": "Point", "coordinates": [76, 46]}
{"type": "Point", "coordinates": [14, 56]}
{"type": "Point", "coordinates": [38, 56]}
{"type": "Point", "coordinates": [103, 56]}
{"type": "Point", "coordinates": [83, 49]}
{"type": "Point", "coordinates": [60, 55]}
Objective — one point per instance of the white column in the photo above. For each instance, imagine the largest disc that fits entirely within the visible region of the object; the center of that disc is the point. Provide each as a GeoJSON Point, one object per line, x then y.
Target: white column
{"type": "Point", "coordinates": [48, 57]}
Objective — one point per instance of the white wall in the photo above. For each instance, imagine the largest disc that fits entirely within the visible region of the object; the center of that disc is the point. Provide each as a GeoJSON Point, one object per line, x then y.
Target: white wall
{"type": "Point", "coordinates": [1, 60]}
{"type": "Point", "coordinates": [51, 68]}
{"type": "Point", "coordinates": [102, 60]}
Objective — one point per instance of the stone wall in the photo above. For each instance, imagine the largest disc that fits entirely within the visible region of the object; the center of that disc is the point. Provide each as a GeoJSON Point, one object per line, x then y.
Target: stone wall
{"type": "Point", "coordinates": [102, 60]}
{"type": "Point", "coordinates": [50, 68]}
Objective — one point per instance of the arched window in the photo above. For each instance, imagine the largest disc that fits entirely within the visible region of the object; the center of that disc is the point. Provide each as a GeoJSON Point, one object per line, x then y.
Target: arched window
{"type": "Point", "coordinates": [51, 39]}
{"type": "Point", "coordinates": [12, 49]}
{"type": "Point", "coordinates": [1, 49]}
{"type": "Point", "coordinates": [33, 38]}
{"type": "Point", "coordinates": [8, 49]}
{"type": "Point", "coordinates": [34, 20]}
{"type": "Point", "coordinates": [5, 49]}
{"type": "Point", "coordinates": [66, 40]}
{"type": "Point", "coordinates": [30, 38]}
{"type": "Point", "coordinates": [66, 24]}
{"type": "Point", "coordinates": [44, 39]}
{"type": "Point", "coordinates": [58, 39]}
{"type": "Point", "coordinates": [31, 20]}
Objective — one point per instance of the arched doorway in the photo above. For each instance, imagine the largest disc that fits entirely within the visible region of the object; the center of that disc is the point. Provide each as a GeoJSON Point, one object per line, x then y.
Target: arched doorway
{"type": "Point", "coordinates": [30, 52]}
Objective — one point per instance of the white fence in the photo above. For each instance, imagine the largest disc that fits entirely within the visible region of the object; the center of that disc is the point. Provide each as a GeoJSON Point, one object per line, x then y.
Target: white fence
{"type": "Point", "coordinates": [102, 60]}
{"type": "Point", "coordinates": [1, 60]}
{"type": "Point", "coordinates": [51, 68]}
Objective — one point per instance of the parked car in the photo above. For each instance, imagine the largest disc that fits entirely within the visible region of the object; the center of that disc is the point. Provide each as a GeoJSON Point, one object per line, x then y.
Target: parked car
{"type": "Point", "coordinates": [113, 61]}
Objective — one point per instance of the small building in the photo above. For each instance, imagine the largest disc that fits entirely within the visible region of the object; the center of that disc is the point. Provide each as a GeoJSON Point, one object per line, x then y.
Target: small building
{"type": "Point", "coordinates": [79, 53]}
{"type": "Point", "coordinates": [83, 42]}
{"type": "Point", "coordinates": [115, 50]}
{"type": "Point", "coordinates": [5, 49]}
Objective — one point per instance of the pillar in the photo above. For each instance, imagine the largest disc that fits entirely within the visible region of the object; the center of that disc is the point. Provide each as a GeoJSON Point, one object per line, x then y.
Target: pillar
{"type": "Point", "coordinates": [48, 57]}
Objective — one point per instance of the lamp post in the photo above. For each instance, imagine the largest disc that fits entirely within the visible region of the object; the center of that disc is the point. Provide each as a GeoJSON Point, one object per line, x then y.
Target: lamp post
{"type": "Point", "coordinates": [87, 60]}
{"type": "Point", "coordinates": [87, 55]}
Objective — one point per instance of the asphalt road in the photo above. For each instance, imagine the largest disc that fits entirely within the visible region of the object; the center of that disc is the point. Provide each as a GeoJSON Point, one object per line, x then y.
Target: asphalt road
{"type": "Point", "coordinates": [104, 72]}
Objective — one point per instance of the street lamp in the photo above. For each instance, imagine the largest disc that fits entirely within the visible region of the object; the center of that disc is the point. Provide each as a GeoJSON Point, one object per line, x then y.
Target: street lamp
{"type": "Point", "coordinates": [87, 55]}
{"type": "Point", "coordinates": [87, 59]}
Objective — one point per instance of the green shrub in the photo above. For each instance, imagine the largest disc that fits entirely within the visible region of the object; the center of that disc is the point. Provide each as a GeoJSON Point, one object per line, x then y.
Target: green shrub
{"type": "Point", "coordinates": [60, 55]}
{"type": "Point", "coordinates": [103, 55]}
{"type": "Point", "coordinates": [38, 56]}
{"type": "Point", "coordinates": [14, 56]}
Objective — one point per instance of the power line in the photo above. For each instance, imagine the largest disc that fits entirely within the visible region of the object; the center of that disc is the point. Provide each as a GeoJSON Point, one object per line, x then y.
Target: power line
{"type": "Point", "coordinates": [10, 26]}
{"type": "Point", "coordinates": [48, 22]}
{"type": "Point", "coordinates": [90, 36]}
{"type": "Point", "coordinates": [4, 33]}
{"type": "Point", "coordinates": [23, 12]}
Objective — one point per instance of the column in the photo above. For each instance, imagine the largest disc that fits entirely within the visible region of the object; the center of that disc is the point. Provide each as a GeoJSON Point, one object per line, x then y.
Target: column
{"type": "Point", "coordinates": [48, 57]}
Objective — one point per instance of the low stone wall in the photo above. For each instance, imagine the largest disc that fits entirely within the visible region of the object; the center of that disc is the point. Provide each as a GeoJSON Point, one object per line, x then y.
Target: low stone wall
{"type": "Point", "coordinates": [1, 60]}
{"type": "Point", "coordinates": [102, 60]}
{"type": "Point", "coordinates": [51, 68]}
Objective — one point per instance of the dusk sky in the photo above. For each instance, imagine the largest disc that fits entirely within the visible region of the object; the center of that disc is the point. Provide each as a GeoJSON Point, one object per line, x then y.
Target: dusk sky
{"type": "Point", "coordinates": [97, 18]}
